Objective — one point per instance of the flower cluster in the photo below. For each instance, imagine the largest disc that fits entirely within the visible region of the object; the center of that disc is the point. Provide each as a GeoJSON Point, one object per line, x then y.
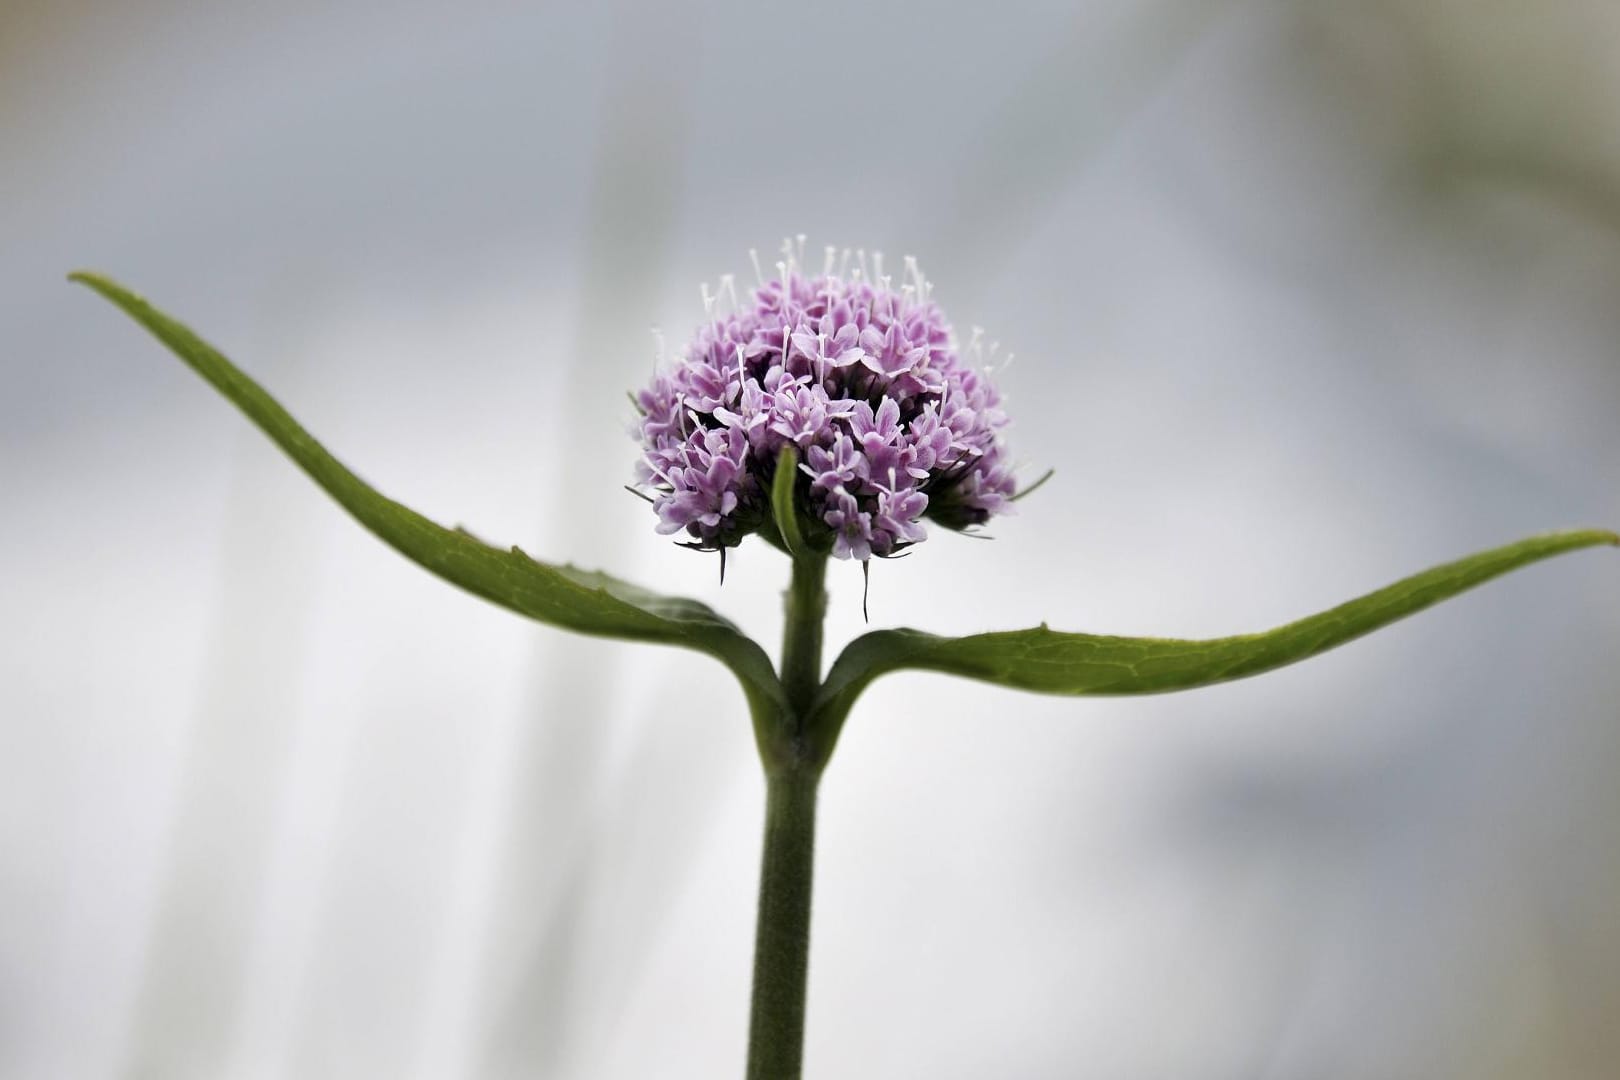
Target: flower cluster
{"type": "Point", "coordinates": [862, 378]}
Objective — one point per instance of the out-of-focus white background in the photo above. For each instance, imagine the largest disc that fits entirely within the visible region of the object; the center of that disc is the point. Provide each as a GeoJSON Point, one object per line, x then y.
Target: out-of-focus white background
{"type": "Point", "coordinates": [1305, 297]}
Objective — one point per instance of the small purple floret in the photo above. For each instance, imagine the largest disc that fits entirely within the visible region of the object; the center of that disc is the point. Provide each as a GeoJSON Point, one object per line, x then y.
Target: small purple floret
{"type": "Point", "coordinates": [891, 426]}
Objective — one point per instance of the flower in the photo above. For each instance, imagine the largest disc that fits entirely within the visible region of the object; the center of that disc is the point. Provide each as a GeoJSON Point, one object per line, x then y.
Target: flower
{"type": "Point", "coordinates": [890, 425]}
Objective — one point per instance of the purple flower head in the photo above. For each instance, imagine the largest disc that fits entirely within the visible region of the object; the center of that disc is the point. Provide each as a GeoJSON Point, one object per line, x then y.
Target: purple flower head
{"type": "Point", "coordinates": [862, 378]}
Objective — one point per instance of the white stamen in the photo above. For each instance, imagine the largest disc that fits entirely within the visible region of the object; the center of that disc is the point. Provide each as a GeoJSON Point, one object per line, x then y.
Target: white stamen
{"type": "Point", "coordinates": [753, 257]}
{"type": "Point", "coordinates": [658, 472]}
{"type": "Point", "coordinates": [708, 300]}
{"type": "Point", "coordinates": [843, 264]}
{"type": "Point", "coordinates": [828, 254]}
{"type": "Point", "coordinates": [728, 289]}
{"type": "Point", "coordinates": [877, 268]}
{"type": "Point", "coordinates": [801, 239]}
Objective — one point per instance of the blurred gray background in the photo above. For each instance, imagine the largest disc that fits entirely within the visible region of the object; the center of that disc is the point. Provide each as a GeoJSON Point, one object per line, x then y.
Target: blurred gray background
{"type": "Point", "coordinates": [1305, 297]}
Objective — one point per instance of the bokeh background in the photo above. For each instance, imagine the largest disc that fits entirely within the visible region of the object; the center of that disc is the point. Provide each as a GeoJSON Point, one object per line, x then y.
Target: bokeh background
{"type": "Point", "coordinates": [1304, 296]}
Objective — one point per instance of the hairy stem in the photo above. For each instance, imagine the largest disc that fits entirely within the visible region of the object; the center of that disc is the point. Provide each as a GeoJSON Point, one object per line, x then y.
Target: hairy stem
{"type": "Point", "coordinates": [792, 773]}
{"type": "Point", "coordinates": [782, 940]}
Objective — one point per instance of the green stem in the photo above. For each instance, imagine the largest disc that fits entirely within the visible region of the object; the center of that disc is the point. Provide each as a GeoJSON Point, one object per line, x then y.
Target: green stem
{"type": "Point", "coordinates": [782, 940]}
{"type": "Point", "coordinates": [806, 601]}
{"type": "Point", "coordinates": [792, 772]}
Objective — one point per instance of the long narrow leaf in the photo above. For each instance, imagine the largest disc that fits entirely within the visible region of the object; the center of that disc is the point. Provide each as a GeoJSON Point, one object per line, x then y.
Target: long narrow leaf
{"type": "Point", "coordinates": [1050, 662]}
{"type": "Point", "coordinates": [583, 601]}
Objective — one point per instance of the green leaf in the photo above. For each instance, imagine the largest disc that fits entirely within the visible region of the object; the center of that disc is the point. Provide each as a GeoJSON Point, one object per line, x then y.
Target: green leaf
{"type": "Point", "coordinates": [1050, 662]}
{"type": "Point", "coordinates": [584, 601]}
{"type": "Point", "coordinates": [787, 518]}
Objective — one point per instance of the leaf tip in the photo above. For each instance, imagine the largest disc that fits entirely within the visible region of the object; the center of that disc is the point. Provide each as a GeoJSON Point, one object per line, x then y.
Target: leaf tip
{"type": "Point", "coordinates": [1605, 537]}
{"type": "Point", "coordinates": [99, 283]}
